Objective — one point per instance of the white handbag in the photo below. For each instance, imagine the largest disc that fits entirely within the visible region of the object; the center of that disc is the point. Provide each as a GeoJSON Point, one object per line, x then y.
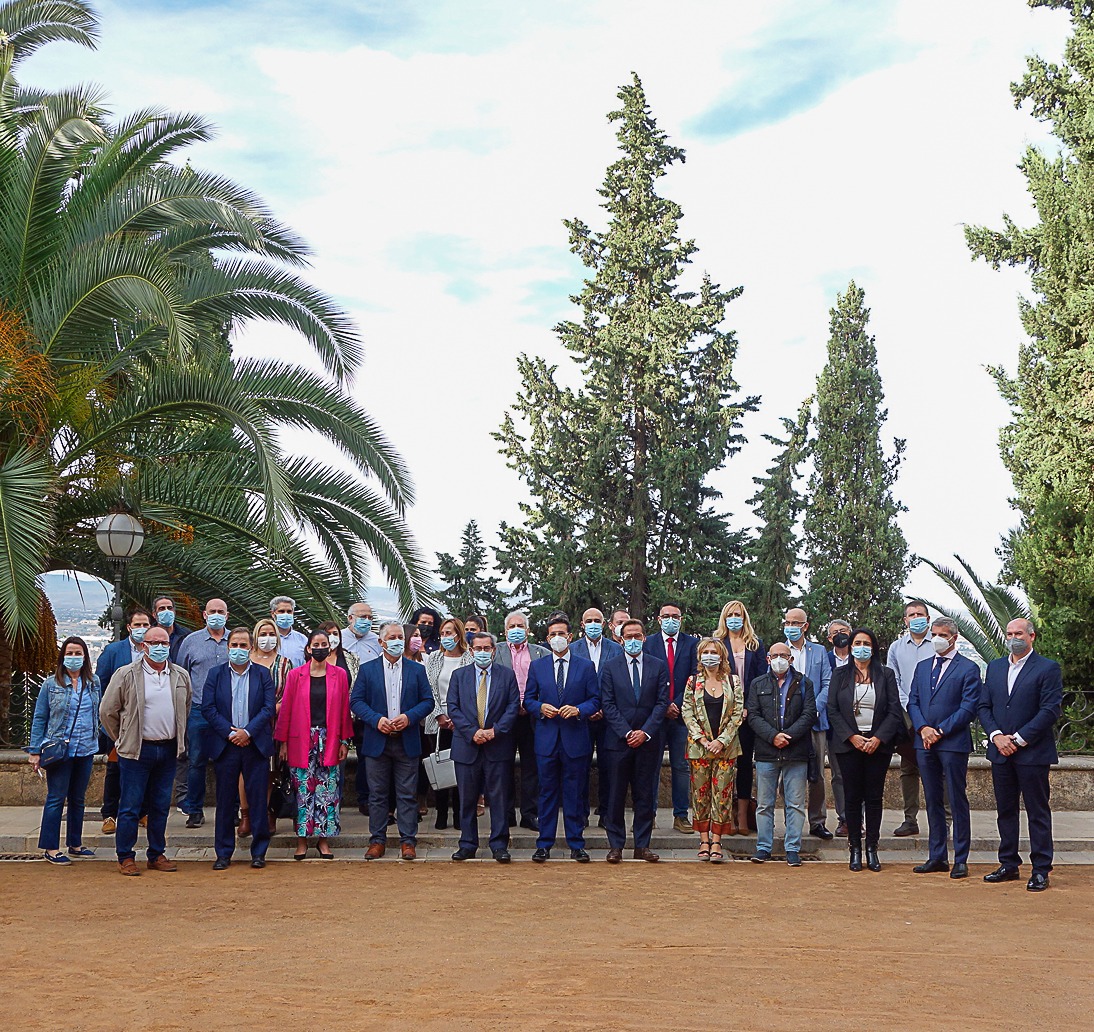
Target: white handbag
{"type": "Point", "coordinates": [440, 768]}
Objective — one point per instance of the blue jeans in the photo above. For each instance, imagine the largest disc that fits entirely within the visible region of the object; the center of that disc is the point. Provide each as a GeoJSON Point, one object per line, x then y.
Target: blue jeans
{"type": "Point", "coordinates": [196, 728]}
{"type": "Point", "coordinates": [794, 783]}
{"type": "Point", "coordinates": [146, 780]}
{"type": "Point", "coordinates": [65, 780]}
{"type": "Point", "coordinates": [676, 738]}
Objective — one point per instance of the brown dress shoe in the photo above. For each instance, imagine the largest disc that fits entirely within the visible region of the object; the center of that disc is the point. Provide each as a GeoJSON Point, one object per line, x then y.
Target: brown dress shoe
{"type": "Point", "coordinates": [646, 854]}
{"type": "Point", "coordinates": [143, 822]}
{"type": "Point", "coordinates": [681, 825]}
{"type": "Point", "coordinates": [129, 867]}
{"type": "Point", "coordinates": [614, 856]}
{"type": "Point", "coordinates": [244, 824]}
{"type": "Point", "coordinates": [375, 851]}
{"type": "Point", "coordinates": [408, 851]}
{"type": "Point", "coordinates": [161, 863]}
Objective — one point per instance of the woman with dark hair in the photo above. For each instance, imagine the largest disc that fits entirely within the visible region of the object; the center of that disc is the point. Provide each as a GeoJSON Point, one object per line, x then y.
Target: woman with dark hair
{"type": "Point", "coordinates": [66, 723]}
{"type": "Point", "coordinates": [314, 730]}
{"type": "Point", "coordinates": [428, 622]}
{"type": "Point", "coordinates": [415, 643]}
{"type": "Point", "coordinates": [865, 715]}
{"type": "Point", "coordinates": [473, 623]}
{"type": "Point", "coordinates": [439, 668]}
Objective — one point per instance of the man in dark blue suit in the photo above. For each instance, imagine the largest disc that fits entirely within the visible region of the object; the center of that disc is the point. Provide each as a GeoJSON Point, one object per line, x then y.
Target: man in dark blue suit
{"type": "Point", "coordinates": [942, 702]}
{"type": "Point", "coordinates": [392, 697]}
{"type": "Point", "coordinates": [238, 705]}
{"type": "Point", "coordinates": [634, 695]}
{"type": "Point", "coordinates": [483, 703]}
{"type": "Point", "coordinates": [598, 649]}
{"type": "Point", "coordinates": [1019, 705]}
{"type": "Point", "coordinates": [678, 651]}
{"type": "Point", "coordinates": [561, 695]}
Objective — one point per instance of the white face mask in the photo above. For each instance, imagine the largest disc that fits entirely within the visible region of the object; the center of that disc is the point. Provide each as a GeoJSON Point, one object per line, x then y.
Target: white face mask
{"type": "Point", "coordinates": [267, 642]}
{"type": "Point", "coordinates": [335, 640]}
{"type": "Point", "coordinates": [941, 644]}
{"type": "Point", "coordinates": [780, 664]}
{"type": "Point", "coordinates": [559, 643]}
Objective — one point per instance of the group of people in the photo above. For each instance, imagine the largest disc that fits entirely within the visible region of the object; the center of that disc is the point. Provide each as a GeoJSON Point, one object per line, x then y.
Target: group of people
{"type": "Point", "coordinates": [739, 721]}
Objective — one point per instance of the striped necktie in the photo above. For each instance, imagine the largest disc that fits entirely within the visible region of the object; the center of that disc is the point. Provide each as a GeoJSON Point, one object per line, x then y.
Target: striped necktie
{"type": "Point", "coordinates": [480, 699]}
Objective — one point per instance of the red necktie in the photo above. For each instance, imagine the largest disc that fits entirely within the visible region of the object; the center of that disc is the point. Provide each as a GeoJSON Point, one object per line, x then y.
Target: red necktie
{"type": "Point", "coordinates": [672, 667]}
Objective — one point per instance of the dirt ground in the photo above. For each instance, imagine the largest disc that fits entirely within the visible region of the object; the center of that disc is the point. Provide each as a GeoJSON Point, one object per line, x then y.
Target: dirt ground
{"type": "Point", "coordinates": [320, 946]}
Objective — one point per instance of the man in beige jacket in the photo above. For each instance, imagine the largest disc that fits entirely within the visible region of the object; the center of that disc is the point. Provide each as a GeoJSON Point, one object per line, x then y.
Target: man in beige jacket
{"type": "Point", "coordinates": [144, 710]}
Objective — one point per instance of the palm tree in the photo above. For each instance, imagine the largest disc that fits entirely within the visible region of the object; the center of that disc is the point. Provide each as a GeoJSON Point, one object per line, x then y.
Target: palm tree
{"type": "Point", "coordinates": [988, 609]}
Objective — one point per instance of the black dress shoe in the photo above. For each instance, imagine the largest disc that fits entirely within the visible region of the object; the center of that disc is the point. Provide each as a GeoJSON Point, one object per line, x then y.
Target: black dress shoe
{"type": "Point", "coordinates": [579, 855]}
{"type": "Point", "coordinates": [258, 862]}
{"type": "Point", "coordinates": [1037, 882]}
{"type": "Point", "coordinates": [1002, 874]}
{"type": "Point", "coordinates": [906, 829]}
{"type": "Point", "coordinates": [195, 820]}
{"type": "Point", "coordinates": [821, 832]}
{"type": "Point", "coordinates": [442, 822]}
{"type": "Point", "coordinates": [221, 863]}
{"type": "Point", "coordinates": [541, 856]}
{"type": "Point", "coordinates": [959, 871]}
{"type": "Point", "coordinates": [464, 854]}
{"type": "Point", "coordinates": [872, 862]}
{"type": "Point", "coordinates": [855, 863]}
{"type": "Point", "coordinates": [502, 856]}
{"type": "Point", "coordinates": [931, 867]}
{"type": "Point", "coordinates": [530, 823]}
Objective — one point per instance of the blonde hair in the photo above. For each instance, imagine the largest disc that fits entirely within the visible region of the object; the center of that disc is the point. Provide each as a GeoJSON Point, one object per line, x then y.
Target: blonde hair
{"type": "Point", "coordinates": [461, 634]}
{"type": "Point", "coordinates": [723, 670]}
{"type": "Point", "coordinates": [752, 642]}
{"type": "Point", "coordinates": [265, 622]}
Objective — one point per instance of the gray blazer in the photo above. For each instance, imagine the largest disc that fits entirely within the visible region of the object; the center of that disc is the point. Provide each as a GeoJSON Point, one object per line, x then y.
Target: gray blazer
{"type": "Point", "coordinates": [503, 657]}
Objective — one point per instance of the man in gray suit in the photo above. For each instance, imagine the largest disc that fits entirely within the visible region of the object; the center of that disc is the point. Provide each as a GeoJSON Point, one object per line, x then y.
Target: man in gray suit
{"type": "Point", "coordinates": [516, 653]}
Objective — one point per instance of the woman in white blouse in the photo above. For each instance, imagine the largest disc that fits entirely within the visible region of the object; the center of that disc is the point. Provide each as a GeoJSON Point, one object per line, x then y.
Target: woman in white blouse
{"type": "Point", "coordinates": [439, 666]}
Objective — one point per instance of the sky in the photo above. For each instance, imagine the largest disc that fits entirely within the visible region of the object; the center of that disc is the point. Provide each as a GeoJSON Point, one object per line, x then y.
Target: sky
{"type": "Point", "coordinates": [428, 152]}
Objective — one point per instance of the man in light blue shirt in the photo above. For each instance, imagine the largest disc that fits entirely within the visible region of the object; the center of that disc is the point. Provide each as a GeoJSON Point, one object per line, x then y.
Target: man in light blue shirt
{"type": "Point", "coordinates": [292, 643]}
{"type": "Point", "coordinates": [358, 636]}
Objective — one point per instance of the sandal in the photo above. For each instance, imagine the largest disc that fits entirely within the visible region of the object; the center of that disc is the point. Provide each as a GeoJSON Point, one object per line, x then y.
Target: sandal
{"type": "Point", "coordinates": [704, 850]}
{"type": "Point", "coordinates": [716, 854]}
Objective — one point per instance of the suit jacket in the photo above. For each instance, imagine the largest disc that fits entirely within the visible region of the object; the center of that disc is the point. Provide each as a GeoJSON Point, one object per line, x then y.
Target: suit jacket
{"type": "Point", "coordinates": [216, 708]}
{"type": "Point", "coordinates": [950, 708]}
{"type": "Point", "coordinates": [294, 717]}
{"type": "Point", "coordinates": [819, 670]}
{"type": "Point", "coordinates": [369, 703]}
{"type": "Point", "coordinates": [755, 663]}
{"type": "Point", "coordinates": [608, 650]}
{"type": "Point", "coordinates": [765, 720]}
{"type": "Point", "coordinates": [621, 712]}
{"type": "Point", "coordinates": [683, 666]}
{"type": "Point", "coordinates": [504, 658]}
{"type": "Point", "coordinates": [116, 655]}
{"type": "Point", "coordinates": [888, 714]}
{"type": "Point", "coordinates": [502, 707]}
{"type": "Point", "coordinates": [1031, 710]}
{"type": "Point", "coordinates": [695, 716]}
{"type": "Point", "coordinates": [582, 689]}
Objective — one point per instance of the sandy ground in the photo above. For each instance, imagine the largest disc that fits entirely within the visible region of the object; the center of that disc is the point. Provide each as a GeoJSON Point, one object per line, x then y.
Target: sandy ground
{"type": "Point", "coordinates": [481, 946]}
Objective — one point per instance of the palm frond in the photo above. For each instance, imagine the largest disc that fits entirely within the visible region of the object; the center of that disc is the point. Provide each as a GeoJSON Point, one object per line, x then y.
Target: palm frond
{"type": "Point", "coordinates": [26, 531]}
{"type": "Point", "coordinates": [31, 24]}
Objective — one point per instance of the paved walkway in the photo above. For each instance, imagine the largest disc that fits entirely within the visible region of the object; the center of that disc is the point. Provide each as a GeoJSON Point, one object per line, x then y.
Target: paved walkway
{"type": "Point", "coordinates": [1073, 832]}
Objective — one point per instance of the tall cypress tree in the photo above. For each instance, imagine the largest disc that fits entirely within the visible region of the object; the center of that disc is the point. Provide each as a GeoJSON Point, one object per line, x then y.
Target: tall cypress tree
{"type": "Point", "coordinates": [854, 548]}
{"type": "Point", "coordinates": [469, 589]}
{"type": "Point", "coordinates": [616, 467]}
{"type": "Point", "coordinates": [1049, 445]}
{"type": "Point", "coordinates": [777, 504]}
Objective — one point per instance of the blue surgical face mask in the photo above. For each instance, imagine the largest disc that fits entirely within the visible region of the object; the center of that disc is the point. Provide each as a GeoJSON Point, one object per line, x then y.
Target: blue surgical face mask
{"type": "Point", "coordinates": [284, 620]}
{"type": "Point", "coordinates": [448, 643]}
{"type": "Point", "coordinates": [394, 646]}
{"type": "Point", "coordinates": [917, 624]}
{"type": "Point", "coordinates": [861, 651]}
{"type": "Point", "coordinates": [1018, 646]}
{"type": "Point", "coordinates": [792, 633]}
{"type": "Point", "coordinates": [159, 653]}
{"type": "Point", "coordinates": [670, 625]}
{"type": "Point", "coordinates": [516, 635]}
{"type": "Point", "coordinates": [138, 633]}
{"type": "Point", "coordinates": [74, 663]}
{"type": "Point", "coordinates": [166, 617]}
{"type": "Point", "coordinates": [362, 624]}
{"type": "Point", "coordinates": [238, 656]}
{"type": "Point", "coordinates": [483, 658]}
{"type": "Point", "coordinates": [216, 621]}
{"type": "Point", "coordinates": [633, 646]}
{"type": "Point", "coordinates": [593, 631]}
{"type": "Point", "coordinates": [734, 623]}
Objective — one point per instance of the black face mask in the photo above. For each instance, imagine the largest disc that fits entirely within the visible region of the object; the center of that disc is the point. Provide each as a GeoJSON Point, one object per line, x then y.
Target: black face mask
{"type": "Point", "coordinates": [841, 640]}
{"type": "Point", "coordinates": [425, 629]}
{"type": "Point", "coordinates": [319, 653]}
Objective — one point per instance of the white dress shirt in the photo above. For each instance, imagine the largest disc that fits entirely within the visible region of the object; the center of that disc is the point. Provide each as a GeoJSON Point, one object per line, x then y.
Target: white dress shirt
{"type": "Point", "coordinates": [565, 661]}
{"type": "Point", "coordinates": [1014, 668]}
{"type": "Point", "coordinates": [158, 716]}
{"type": "Point", "coordinates": [393, 683]}
{"type": "Point", "coordinates": [594, 651]}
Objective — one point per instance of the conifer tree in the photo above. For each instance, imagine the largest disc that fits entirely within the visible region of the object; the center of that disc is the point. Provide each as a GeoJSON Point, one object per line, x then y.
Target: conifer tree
{"type": "Point", "coordinates": [469, 589]}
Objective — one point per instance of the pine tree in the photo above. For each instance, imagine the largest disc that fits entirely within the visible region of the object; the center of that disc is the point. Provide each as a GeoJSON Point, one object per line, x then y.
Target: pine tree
{"type": "Point", "coordinates": [469, 589]}
{"type": "Point", "coordinates": [1049, 446]}
{"type": "Point", "coordinates": [616, 467]}
{"type": "Point", "coordinates": [854, 548]}
{"type": "Point", "coordinates": [777, 504]}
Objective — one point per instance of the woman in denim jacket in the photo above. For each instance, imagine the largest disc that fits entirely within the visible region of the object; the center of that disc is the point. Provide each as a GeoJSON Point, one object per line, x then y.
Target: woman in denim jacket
{"type": "Point", "coordinates": [67, 707]}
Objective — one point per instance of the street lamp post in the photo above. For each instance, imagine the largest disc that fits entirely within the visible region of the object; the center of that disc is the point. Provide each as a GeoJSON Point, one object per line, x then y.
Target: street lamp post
{"type": "Point", "coordinates": [119, 537]}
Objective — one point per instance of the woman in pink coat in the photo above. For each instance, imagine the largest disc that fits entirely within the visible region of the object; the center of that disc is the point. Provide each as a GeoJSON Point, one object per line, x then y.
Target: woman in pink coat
{"type": "Point", "coordinates": [314, 729]}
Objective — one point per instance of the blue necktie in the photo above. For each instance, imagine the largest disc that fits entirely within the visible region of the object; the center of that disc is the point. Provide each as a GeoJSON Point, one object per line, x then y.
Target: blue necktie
{"type": "Point", "coordinates": [936, 673]}
{"type": "Point", "coordinates": [560, 679]}
{"type": "Point", "coordinates": [635, 680]}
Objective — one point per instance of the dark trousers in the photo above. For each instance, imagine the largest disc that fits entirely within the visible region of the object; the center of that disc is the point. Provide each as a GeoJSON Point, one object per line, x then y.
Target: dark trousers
{"type": "Point", "coordinates": [393, 768]}
{"type": "Point", "coordinates": [65, 780]}
{"type": "Point", "coordinates": [1030, 782]}
{"type": "Point", "coordinates": [675, 736]}
{"type": "Point", "coordinates": [529, 774]}
{"type": "Point", "coordinates": [599, 729]}
{"type": "Point", "coordinates": [196, 730]}
{"type": "Point", "coordinates": [944, 775]}
{"type": "Point", "coordinates": [638, 770]}
{"type": "Point", "coordinates": [255, 768]}
{"type": "Point", "coordinates": [905, 748]}
{"type": "Point", "coordinates": [561, 779]}
{"type": "Point", "coordinates": [492, 778]}
{"type": "Point", "coordinates": [147, 779]}
{"type": "Point", "coordinates": [112, 790]}
{"type": "Point", "coordinates": [747, 738]}
{"type": "Point", "coordinates": [864, 789]}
